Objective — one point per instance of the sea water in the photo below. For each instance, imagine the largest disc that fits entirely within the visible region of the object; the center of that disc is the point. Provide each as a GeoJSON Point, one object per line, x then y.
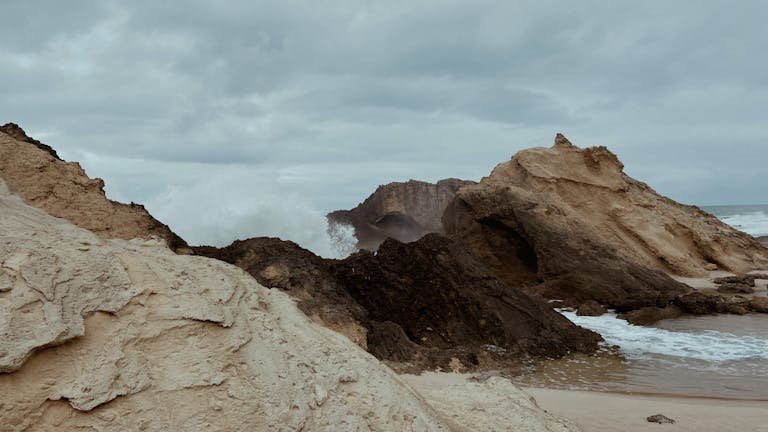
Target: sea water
{"type": "Point", "coordinates": [752, 219]}
{"type": "Point", "coordinates": [722, 356]}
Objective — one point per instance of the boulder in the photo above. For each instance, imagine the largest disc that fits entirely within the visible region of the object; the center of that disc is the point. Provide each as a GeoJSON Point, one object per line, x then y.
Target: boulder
{"type": "Point", "coordinates": [591, 308]}
{"type": "Point", "coordinates": [651, 315]}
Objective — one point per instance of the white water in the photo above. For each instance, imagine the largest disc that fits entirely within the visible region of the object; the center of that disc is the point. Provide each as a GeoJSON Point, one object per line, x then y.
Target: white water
{"type": "Point", "coordinates": [754, 223]}
{"type": "Point", "coordinates": [638, 342]}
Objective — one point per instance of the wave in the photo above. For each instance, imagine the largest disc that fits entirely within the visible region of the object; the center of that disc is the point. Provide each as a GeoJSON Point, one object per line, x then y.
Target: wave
{"type": "Point", "coordinates": [754, 223]}
{"type": "Point", "coordinates": [642, 342]}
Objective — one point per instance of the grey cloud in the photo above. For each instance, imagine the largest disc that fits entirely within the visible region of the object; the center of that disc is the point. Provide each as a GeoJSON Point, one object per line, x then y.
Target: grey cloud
{"type": "Point", "coordinates": [333, 98]}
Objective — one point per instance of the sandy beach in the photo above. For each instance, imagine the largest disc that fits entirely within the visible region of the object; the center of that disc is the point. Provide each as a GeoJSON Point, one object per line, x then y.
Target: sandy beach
{"type": "Point", "coordinates": [598, 412]}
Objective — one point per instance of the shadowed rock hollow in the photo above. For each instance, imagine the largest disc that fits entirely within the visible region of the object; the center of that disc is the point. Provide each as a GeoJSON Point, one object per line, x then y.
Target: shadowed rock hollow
{"type": "Point", "coordinates": [569, 224]}
{"type": "Point", "coordinates": [34, 171]}
{"type": "Point", "coordinates": [403, 211]}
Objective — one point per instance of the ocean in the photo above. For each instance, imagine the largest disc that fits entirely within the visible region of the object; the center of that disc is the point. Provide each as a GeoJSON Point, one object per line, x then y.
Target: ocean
{"type": "Point", "coordinates": [752, 219]}
{"type": "Point", "coordinates": [718, 356]}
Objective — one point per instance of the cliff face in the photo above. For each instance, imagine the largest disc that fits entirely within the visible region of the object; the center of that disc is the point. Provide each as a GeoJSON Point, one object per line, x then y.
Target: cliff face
{"type": "Point", "coordinates": [62, 189]}
{"type": "Point", "coordinates": [570, 223]}
{"type": "Point", "coordinates": [403, 211]}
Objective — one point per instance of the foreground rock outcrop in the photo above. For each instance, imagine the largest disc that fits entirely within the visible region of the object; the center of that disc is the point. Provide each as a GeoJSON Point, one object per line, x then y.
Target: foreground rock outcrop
{"type": "Point", "coordinates": [402, 211]}
{"type": "Point", "coordinates": [62, 189]}
{"type": "Point", "coordinates": [569, 224]}
{"type": "Point", "coordinates": [424, 305]}
{"type": "Point", "coordinates": [119, 335]}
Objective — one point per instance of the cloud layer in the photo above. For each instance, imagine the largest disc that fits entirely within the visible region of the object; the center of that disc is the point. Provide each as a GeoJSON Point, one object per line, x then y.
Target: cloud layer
{"type": "Point", "coordinates": [257, 117]}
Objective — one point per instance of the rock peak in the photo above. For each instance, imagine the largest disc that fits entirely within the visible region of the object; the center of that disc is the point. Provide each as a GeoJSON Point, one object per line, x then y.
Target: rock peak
{"type": "Point", "coordinates": [16, 132]}
{"type": "Point", "coordinates": [562, 141]}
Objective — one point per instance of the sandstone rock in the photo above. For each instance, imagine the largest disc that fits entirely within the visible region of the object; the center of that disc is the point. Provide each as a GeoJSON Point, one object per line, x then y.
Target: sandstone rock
{"type": "Point", "coordinates": [62, 189]}
{"type": "Point", "coordinates": [126, 335]}
{"type": "Point", "coordinates": [710, 267]}
{"type": "Point", "coordinates": [591, 308]}
{"type": "Point", "coordinates": [569, 224]}
{"type": "Point", "coordinates": [403, 211]}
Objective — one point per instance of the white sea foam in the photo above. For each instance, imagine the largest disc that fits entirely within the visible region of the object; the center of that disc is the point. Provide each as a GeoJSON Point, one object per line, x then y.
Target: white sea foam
{"type": "Point", "coordinates": [642, 342]}
{"type": "Point", "coordinates": [754, 223]}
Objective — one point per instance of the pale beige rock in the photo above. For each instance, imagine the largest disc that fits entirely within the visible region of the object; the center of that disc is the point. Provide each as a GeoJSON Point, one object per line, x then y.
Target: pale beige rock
{"type": "Point", "coordinates": [115, 335]}
{"type": "Point", "coordinates": [587, 189]}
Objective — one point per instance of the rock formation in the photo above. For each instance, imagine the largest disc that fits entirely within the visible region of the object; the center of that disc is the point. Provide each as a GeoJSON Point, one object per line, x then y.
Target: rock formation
{"type": "Point", "coordinates": [403, 211]}
{"type": "Point", "coordinates": [569, 224]}
{"type": "Point", "coordinates": [34, 171]}
{"type": "Point", "coordinates": [422, 304]}
{"type": "Point", "coordinates": [303, 275]}
{"type": "Point", "coordinates": [763, 240]}
{"type": "Point", "coordinates": [119, 335]}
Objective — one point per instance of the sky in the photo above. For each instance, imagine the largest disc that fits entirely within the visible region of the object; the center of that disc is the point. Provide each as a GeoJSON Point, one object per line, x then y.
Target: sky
{"type": "Point", "coordinates": [244, 118]}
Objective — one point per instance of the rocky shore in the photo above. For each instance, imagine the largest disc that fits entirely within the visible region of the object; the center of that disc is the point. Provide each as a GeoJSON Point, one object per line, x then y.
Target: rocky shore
{"type": "Point", "coordinates": [112, 322]}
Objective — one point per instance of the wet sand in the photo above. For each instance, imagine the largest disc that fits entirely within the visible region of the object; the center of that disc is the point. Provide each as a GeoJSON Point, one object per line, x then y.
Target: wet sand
{"type": "Point", "coordinates": [599, 412]}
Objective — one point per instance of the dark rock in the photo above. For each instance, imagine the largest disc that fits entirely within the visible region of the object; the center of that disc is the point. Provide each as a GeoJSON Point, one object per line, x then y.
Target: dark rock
{"type": "Point", "coordinates": [591, 308]}
{"type": "Point", "coordinates": [697, 303]}
{"type": "Point", "coordinates": [442, 297]}
{"type": "Point", "coordinates": [403, 211]}
{"type": "Point", "coordinates": [661, 419]}
{"type": "Point", "coordinates": [736, 288]}
{"type": "Point", "coordinates": [745, 279]}
{"type": "Point", "coordinates": [427, 303]}
{"type": "Point", "coordinates": [650, 315]}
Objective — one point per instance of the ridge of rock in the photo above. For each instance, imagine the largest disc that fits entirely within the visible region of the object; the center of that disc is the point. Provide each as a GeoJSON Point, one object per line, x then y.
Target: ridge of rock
{"type": "Point", "coordinates": [64, 190]}
{"type": "Point", "coordinates": [401, 210]}
{"type": "Point", "coordinates": [569, 224]}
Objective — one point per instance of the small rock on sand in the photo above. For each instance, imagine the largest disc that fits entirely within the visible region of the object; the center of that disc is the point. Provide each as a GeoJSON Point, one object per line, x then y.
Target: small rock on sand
{"type": "Point", "coordinates": [660, 419]}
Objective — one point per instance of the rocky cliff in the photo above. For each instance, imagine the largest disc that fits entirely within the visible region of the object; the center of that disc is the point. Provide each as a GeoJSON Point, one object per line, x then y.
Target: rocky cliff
{"type": "Point", "coordinates": [569, 223]}
{"type": "Point", "coordinates": [403, 211]}
{"type": "Point", "coordinates": [115, 335]}
{"type": "Point", "coordinates": [34, 171]}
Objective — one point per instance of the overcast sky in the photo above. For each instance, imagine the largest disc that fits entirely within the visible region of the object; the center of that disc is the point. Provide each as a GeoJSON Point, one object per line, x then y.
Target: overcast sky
{"type": "Point", "coordinates": [243, 118]}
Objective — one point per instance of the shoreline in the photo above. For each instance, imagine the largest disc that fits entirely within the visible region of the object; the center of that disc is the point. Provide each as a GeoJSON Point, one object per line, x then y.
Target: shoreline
{"type": "Point", "coordinates": [604, 411]}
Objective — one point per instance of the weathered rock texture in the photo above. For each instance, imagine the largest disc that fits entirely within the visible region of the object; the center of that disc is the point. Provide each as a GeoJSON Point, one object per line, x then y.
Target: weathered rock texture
{"type": "Point", "coordinates": [115, 335]}
{"type": "Point", "coordinates": [570, 224]}
{"type": "Point", "coordinates": [34, 171]}
{"type": "Point", "coordinates": [423, 304]}
{"type": "Point", "coordinates": [763, 240]}
{"type": "Point", "coordinates": [303, 275]}
{"type": "Point", "coordinates": [403, 211]}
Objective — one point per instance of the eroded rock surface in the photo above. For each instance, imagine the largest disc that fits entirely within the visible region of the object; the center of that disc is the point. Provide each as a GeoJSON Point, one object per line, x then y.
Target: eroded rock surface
{"type": "Point", "coordinates": [424, 304]}
{"type": "Point", "coordinates": [570, 225]}
{"type": "Point", "coordinates": [62, 189]}
{"type": "Point", "coordinates": [403, 211]}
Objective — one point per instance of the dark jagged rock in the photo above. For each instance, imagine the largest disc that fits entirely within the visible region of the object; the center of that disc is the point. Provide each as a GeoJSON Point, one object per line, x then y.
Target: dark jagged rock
{"type": "Point", "coordinates": [403, 211]}
{"type": "Point", "coordinates": [16, 132]}
{"type": "Point", "coordinates": [442, 297]}
{"type": "Point", "coordinates": [758, 304]}
{"type": "Point", "coordinates": [735, 288]}
{"type": "Point", "coordinates": [698, 303]}
{"type": "Point", "coordinates": [745, 279]}
{"type": "Point", "coordinates": [428, 303]}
